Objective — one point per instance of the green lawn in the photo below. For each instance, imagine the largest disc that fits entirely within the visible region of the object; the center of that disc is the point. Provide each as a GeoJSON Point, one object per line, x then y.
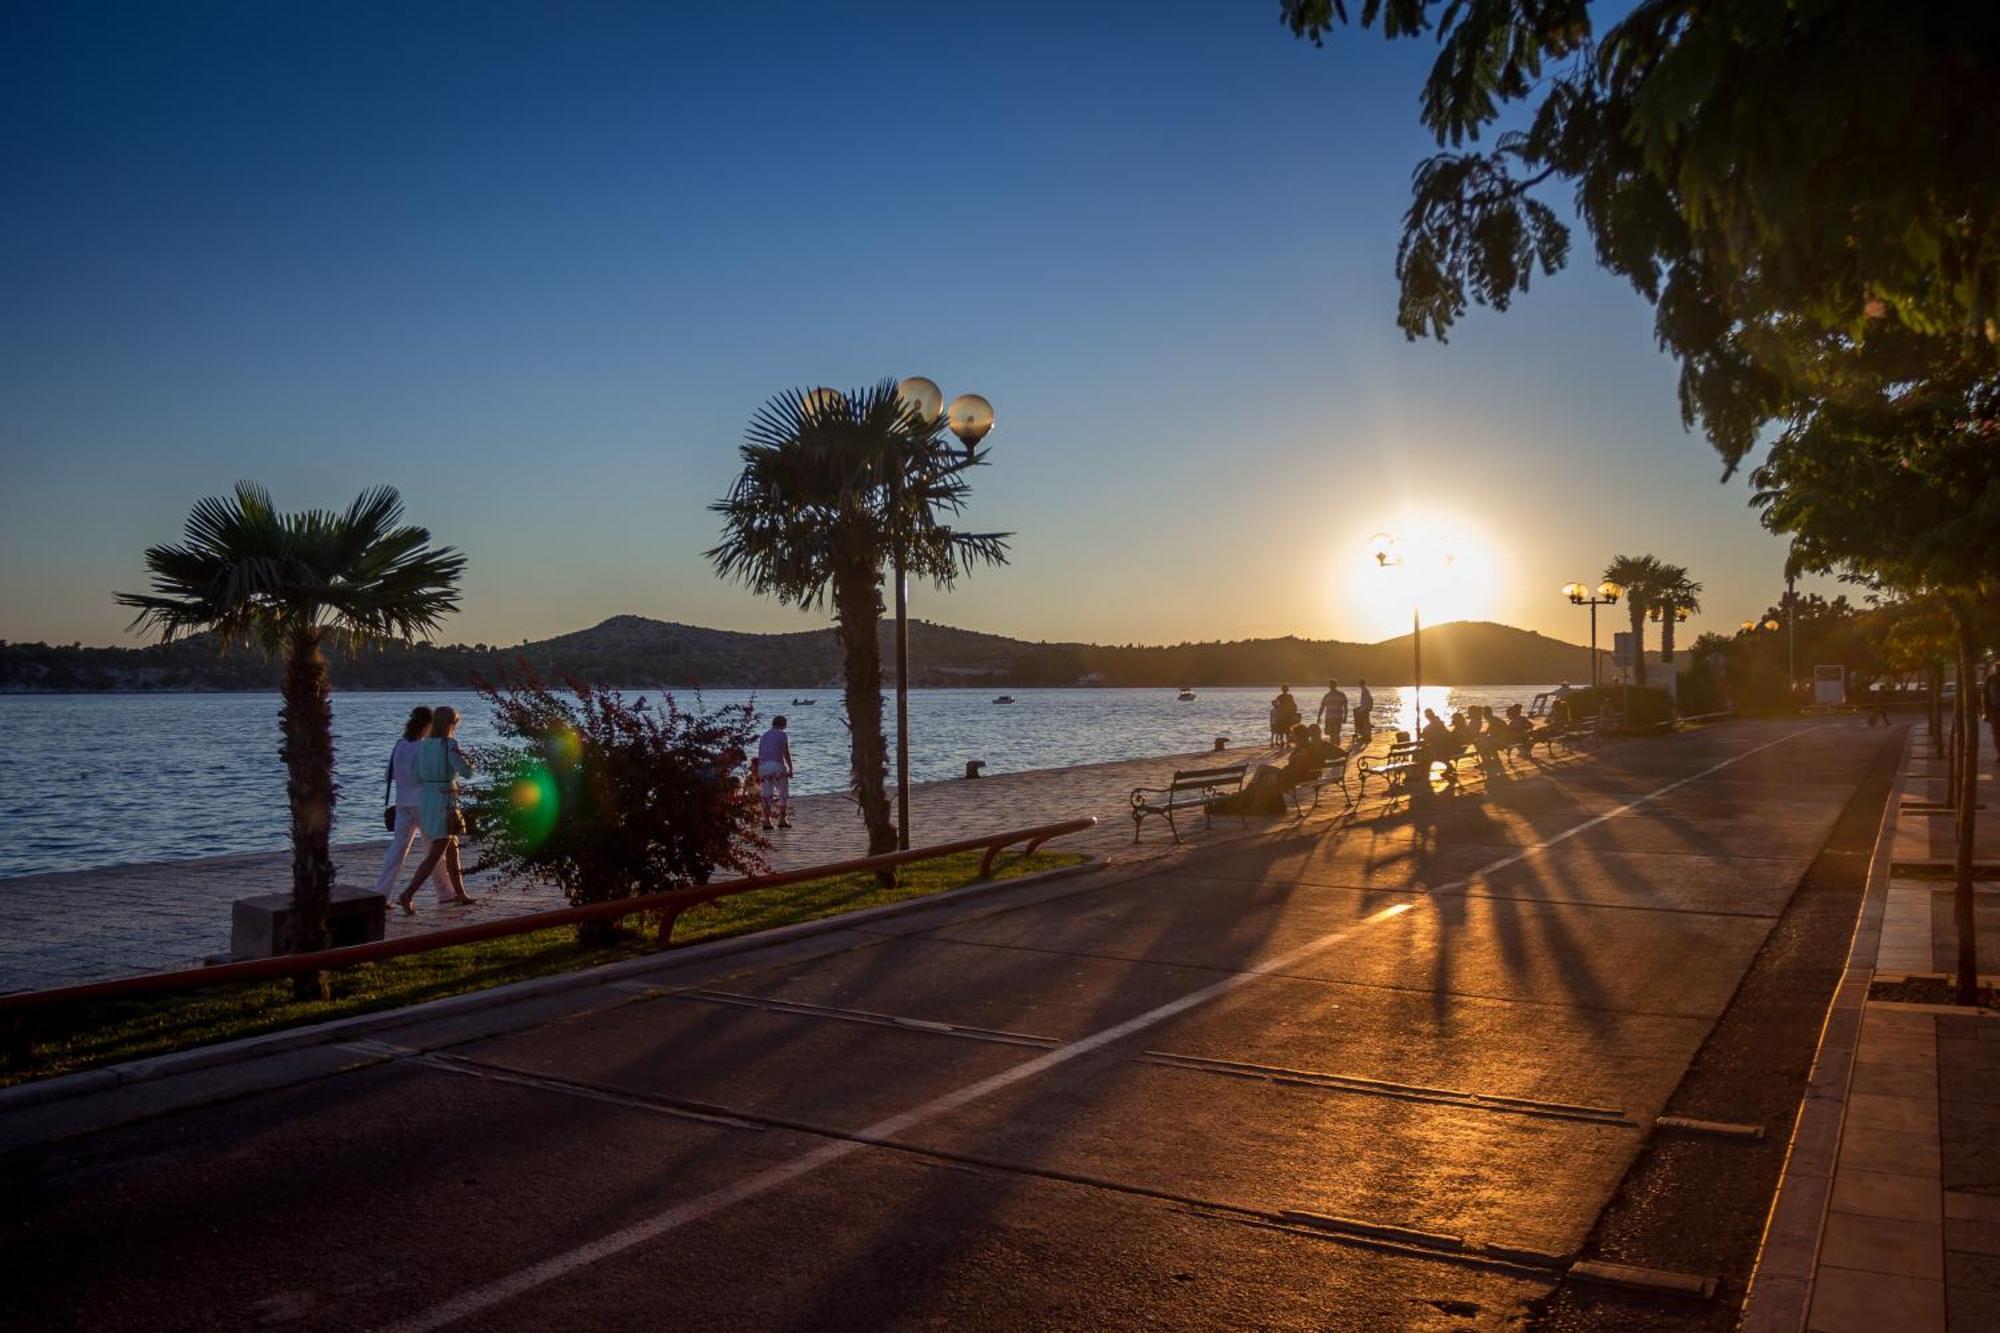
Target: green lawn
{"type": "Point", "coordinates": [119, 1030]}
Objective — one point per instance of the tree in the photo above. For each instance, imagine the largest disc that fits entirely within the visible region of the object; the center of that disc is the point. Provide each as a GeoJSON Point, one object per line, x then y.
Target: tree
{"type": "Point", "coordinates": [1747, 166]}
{"type": "Point", "coordinates": [1893, 482]}
{"type": "Point", "coordinates": [609, 798]}
{"type": "Point", "coordinates": [829, 484]}
{"type": "Point", "coordinates": [1674, 594]}
{"type": "Point", "coordinates": [283, 583]}
{"type": "Point", "coordinates": [1639, 575]}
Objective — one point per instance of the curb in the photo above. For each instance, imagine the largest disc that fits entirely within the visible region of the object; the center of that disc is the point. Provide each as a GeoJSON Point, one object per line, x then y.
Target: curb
{"type": "Point", "coordinates": [64, 1087]}
{"type": "Point", "coordinates": [1779, 1296]}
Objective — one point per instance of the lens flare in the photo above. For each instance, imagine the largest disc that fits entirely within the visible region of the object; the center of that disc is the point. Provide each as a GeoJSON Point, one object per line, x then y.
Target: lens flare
{"type": "Point", "coordinates": [534, 803]}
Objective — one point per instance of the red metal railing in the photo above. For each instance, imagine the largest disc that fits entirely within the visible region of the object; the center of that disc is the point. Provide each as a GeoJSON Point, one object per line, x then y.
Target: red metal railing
{"type": "Point", "coordinates": [669, 905]}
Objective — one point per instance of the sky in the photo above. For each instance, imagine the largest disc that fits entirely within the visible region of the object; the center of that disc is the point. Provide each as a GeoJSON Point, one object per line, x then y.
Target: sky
{"type": "Point", "coordinates": [537, 265]}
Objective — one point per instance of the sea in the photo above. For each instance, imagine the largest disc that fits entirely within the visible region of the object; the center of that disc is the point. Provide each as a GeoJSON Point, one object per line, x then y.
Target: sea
{"type": "Point", "coordinates": [109, 779]}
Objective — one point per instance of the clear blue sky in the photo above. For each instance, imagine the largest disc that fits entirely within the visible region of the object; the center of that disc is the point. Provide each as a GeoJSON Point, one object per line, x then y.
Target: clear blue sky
{"type": "Point", "coordinates": [536, 266]}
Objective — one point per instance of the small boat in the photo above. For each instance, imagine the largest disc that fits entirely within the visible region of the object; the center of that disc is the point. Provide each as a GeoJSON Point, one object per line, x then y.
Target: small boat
{"type": "Point", "coordinates": [804, 703]}
{"type": "Point", "coordinates": [1186, 695]}
{"type": "Point", "coordinates": [1003, 699]}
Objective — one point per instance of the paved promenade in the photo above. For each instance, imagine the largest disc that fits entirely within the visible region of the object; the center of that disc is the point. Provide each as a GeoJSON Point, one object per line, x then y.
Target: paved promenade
{"type": "Point", "coordinates": [1889, 1214]}
{"type": "Point", "coordinates": [1378, 1075]}
{"type": "Point", "coordinates": [84, 925]}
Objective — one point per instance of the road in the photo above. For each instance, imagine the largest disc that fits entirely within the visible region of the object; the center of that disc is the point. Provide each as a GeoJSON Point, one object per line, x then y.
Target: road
{"type": "Point", "coordinates": [1138, 1098]}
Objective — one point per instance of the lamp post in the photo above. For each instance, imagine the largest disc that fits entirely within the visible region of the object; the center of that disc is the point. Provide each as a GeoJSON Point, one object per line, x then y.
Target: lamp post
{"type": "Point", "coordinates": [969, 418]}
{"type": "Point", "coordinates": [1607, 594]}
{"type": "Point", "coordinates": [1388, 554]}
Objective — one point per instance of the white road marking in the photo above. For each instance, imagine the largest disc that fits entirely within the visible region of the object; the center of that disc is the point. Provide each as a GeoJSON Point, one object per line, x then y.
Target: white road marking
{"type": "Point", "coordinates": [471, 1302]}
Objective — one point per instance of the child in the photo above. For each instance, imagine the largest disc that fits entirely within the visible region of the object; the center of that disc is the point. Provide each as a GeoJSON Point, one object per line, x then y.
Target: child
{"type": "Point", "coordinates": [774, 772]}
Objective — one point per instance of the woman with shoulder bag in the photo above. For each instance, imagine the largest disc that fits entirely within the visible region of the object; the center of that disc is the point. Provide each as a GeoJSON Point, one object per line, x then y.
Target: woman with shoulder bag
{"type": "Point", "coordinates": [400, 813]}
{"type": "Point", "coordinates": [439, 766]}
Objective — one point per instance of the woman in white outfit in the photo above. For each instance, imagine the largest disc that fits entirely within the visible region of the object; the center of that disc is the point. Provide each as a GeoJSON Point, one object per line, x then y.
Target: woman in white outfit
{"type": "Point", "coordinates": [403, 779]}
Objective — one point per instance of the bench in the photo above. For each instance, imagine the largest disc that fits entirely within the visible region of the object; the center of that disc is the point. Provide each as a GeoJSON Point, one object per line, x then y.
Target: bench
{"type": "Point", "coordinates": [1190, 789]}
{"type": "Point", "coordinates": [1332, 773]}
{"type": "Point", "coordinates": [1395, 767]}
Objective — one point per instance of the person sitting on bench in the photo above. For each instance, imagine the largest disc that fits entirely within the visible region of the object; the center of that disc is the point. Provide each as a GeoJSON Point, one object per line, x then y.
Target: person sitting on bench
{"type": "Point", "coordinates": [1264, 793]}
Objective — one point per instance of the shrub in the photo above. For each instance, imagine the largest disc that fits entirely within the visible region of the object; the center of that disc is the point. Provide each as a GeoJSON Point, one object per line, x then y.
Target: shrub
{"type": "Point", "coordinates": [612, 798]}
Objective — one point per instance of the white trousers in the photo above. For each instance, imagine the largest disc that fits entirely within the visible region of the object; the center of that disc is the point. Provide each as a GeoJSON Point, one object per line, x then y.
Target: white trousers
{"type": "Point", "coordinates": [406, 833]}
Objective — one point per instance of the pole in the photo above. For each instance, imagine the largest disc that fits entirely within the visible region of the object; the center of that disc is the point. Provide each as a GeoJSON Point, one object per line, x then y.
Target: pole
{"type": "Point", "coordinates": [902, 702]}
{"type": "Point", "coordinates": [1593, 643]}
{"type": "Point", "coordinates": [1791, 638]}
{"type": "Point", "coordinates": [1417, 648]}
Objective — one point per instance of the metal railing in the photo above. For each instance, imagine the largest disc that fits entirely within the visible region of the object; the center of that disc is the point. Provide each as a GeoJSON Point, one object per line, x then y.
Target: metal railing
{"type": "Point", "coordinates": [669, 905]}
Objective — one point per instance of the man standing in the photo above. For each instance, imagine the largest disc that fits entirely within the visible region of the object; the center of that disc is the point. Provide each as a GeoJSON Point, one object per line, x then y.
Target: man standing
{"type": "Point", "coordinates": [1364, 716]}
{"type": "Point", "coordinates": [1992, 702]}
{"type": "Point", "coordinates": [774, 772]}
{"type": "Point", "coordinates": [1332, 715]}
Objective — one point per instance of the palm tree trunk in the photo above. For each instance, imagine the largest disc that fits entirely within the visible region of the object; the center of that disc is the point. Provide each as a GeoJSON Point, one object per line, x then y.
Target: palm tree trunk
{"type": "Point", "coordinates": [1637, 609]}
{"type": "Point", "coordinates": [1667, 635]}
{"type": "Point", "coordinates": [857, 604]}
{"type": "Point", "coordinates": [307, 722]}
{"type": "Point", "coordinates": [1965, 777]}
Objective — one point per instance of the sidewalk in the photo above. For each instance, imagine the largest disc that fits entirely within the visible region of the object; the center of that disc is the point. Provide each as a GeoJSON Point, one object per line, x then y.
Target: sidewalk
{"type": "Point", "coordinates": [1888, 1215]}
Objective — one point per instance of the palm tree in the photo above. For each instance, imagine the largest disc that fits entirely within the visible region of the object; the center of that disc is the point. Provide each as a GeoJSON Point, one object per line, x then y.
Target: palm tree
{"type": "Point", "coordinates": [283, 582]}
{"type": "Point", "coordinates": [829, 483]}
{"type": "Point", "coordinates": [1674, 595]}
{"type": "Point", "coordinates": [1639, 575]}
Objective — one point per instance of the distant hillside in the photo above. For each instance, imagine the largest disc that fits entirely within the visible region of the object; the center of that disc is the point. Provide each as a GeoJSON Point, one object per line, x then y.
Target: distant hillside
{"type": "Point", "coordinates": [633, 650]}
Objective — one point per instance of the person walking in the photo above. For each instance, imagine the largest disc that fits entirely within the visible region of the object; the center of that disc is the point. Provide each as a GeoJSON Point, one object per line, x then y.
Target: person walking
{"type": "Point", "coordinates": [1332, 715]}
{"type": "Point", "coordinates": [1364, 716]}
{"type": "Point", "coordinates": [1992, 701]}
{"type": "Point", "coordinates": [403, 793]}
{"type": "Point", "coordinates": [774, 772]}
{"type": "Point", "coordinates": [439, 766]}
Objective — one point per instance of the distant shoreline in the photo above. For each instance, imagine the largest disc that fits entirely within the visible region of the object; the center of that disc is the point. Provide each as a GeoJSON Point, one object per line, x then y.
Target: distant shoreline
{"type": "Point", "coordinates": [831, 691]}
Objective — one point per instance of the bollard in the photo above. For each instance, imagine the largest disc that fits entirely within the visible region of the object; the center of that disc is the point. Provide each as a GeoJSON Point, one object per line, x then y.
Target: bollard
{"type": "Point", "coordinates": [1222, 742]}
{"type": "Point", "coordinates": [972, 767]}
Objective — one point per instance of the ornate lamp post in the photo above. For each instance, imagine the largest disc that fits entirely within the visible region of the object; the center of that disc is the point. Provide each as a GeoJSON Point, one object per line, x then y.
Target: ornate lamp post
{"type": "Point", "coordinates": [1607, 594]}
{"type": "Point", "coordinates": [969, 418]}
{"type": "Point", "coordinates": [1388, 554]}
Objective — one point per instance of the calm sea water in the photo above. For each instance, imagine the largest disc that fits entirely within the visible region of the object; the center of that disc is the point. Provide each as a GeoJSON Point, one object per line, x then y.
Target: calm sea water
{"type": "Point", "coordinates": [101, 779]}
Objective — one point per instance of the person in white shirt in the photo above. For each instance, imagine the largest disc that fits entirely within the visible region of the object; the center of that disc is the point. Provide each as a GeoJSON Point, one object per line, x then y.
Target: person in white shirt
{"type": "Point", "coordinates": [402, 780]}
{"type": "Point", "coordinates": [1332, 712]}
{"type": "Point", "coordinates": [774, 773]}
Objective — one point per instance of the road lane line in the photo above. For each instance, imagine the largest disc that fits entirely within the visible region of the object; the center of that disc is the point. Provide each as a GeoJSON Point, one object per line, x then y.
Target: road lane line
{"type": "Point", "coordinates": [481, 1298]}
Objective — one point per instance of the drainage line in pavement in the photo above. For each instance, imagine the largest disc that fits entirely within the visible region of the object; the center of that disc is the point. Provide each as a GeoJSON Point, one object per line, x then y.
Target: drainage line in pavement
{"type": "Point", "coordinates": [867, 1016]}
{"type": "Point", "coordinates": [453, 1064]}
{"type": "Point", "coordinates": [1478, 1101]}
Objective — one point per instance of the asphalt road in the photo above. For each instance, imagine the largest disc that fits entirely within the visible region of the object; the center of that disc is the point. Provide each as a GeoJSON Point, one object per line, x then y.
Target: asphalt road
{"type": "Point", "coordinates": [1091, 1104]}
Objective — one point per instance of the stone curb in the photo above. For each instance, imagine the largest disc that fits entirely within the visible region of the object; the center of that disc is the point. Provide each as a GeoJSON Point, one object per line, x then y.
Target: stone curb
{"type": "Point", "coordinates": [84, 1082]}
{"type": "Point", "coordinates": [1779, 1299]}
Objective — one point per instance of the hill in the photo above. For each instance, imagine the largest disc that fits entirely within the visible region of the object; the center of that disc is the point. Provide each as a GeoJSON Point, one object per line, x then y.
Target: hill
{"type": "Point", "coordinates": [637, 651]}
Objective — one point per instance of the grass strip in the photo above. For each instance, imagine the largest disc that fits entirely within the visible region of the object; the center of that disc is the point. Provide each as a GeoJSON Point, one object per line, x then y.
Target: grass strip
{"type": "Point", "coordinates": [113, 1031]}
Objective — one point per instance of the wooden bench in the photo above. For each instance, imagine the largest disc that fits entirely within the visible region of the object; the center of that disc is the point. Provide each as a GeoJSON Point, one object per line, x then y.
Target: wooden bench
{"type": "Point", "coordinates": [1332, 773]}
{"type": "Point", "coordinates": [1191, 788]}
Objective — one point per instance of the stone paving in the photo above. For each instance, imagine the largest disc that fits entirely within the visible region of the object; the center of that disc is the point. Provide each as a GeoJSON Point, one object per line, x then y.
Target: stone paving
{"type": "Point", "coordinates": [71, 927]}
{"type": "Point", "coordinates": [1889, 1212]}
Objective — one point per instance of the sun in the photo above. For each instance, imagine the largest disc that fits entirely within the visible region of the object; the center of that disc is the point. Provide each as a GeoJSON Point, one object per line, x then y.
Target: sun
{"type": "Point", "coordinates": [1442, 566]}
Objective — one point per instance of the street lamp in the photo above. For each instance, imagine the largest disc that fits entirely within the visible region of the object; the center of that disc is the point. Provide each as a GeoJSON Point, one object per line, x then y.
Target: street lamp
{"type": "Point", "coordinates": [1387, 552]}
{"type": "Point", "coordinates": [969, 418]}
{"type": "Point", "coordinates": [1607, 594]}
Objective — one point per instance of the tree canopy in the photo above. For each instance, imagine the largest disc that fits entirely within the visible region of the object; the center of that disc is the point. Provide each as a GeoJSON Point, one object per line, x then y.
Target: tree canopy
{"type": "Point", "coordinates": [1759, 170]}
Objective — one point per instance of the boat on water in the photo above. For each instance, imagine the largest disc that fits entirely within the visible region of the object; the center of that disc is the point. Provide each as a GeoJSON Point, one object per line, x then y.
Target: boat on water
{"type": "Point", "coordinates": [1186, 695]}
{"type": "Point", "coordinates": [1003, 699]}
{"type": "Point", "coordinates": [804, 703]}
